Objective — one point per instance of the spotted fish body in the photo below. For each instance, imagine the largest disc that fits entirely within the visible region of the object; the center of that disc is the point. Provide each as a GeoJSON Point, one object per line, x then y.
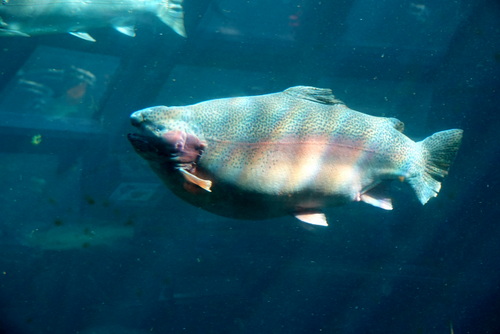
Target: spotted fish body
{"type": "Point", "coordinates": [294, 152]}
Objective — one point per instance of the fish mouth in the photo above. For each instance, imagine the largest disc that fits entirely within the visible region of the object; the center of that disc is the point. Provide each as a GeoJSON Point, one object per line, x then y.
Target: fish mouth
{"type": "Point", "coordinates": [153, 149]}
{"type": "Point", "coordinates": [147, 146]}
{"type": "Point", "coordinates": [140, 142]}
{"type": "Point", "coordinates": [144, 141]}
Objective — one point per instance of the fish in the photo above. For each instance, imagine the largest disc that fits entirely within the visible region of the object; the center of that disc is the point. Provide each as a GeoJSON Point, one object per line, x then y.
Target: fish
{"type": "Point", "coordinates": [38, 17]}
{"type": "Point", "coordinates": [294, 152]}
{"type": "Point", "coordinates": [93, 234]}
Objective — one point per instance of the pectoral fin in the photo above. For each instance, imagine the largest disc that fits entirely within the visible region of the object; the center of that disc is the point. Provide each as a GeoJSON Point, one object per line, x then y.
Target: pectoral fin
{"type": "Point", "coordinates": [204, 184]}
{"type": "Point", "coordinates": [9, 32]}
{"type": "Point", "coordinates": [313, 218]}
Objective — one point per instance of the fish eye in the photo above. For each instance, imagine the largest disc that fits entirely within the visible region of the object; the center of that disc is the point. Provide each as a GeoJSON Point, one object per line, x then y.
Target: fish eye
{"type": "Point", "coordinates": [159, 129]}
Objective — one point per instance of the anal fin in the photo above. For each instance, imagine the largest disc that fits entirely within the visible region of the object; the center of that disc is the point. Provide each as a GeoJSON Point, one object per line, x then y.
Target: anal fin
{"type": "Point", "coordinates": [204, 184]}
{"type": "Point", "coordinates": [172, 14]}
{"type": "Point", "coordinates": [313, 218]}
{"type": "Point", "coordinates": [379, 202]}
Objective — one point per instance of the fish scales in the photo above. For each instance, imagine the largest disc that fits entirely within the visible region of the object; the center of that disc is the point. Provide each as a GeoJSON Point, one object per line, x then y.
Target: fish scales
{"type": "Point", "coordinates": [301, 150]}
{"type": "Point", "coordinates": [287, 127]}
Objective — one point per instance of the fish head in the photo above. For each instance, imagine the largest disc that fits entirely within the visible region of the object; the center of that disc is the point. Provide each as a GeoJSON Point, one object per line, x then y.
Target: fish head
{"type": "Point", "coordinates": [166, 136]}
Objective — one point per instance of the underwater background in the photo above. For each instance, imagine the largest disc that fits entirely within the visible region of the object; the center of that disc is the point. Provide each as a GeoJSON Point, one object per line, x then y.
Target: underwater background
{"type": "Point", "coordinates": [91, 242]}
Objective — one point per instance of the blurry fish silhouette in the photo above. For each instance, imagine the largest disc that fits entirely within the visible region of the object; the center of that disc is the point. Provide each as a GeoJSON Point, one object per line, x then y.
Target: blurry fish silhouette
{"type": "Point", "coordinates": [420, 11]}
{"type": "Point", "coordinates": [37, 17]}
{"type": "Point", "coordinates": [82, 79]}
{"type": "Point", "coordinates": [91, 234]}
{"type": "Point", "coordinates": [76, 93]}
{"type": "Point", "coordinates": [40, 89]}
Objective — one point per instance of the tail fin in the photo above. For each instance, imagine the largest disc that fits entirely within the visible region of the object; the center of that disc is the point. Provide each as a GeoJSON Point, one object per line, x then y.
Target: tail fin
{"type": "Point", "coordinates": [438, 152]}
{"type": "Point", "coordinates": [172, 15]}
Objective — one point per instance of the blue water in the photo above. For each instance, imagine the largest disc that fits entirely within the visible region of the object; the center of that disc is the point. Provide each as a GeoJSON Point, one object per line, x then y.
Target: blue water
{"type": "Point", "coordinates": [91, 242]}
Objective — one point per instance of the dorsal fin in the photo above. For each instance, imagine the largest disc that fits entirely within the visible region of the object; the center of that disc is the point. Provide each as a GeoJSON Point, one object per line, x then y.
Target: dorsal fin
{"type": "Point", "coordinates": [320, 95]}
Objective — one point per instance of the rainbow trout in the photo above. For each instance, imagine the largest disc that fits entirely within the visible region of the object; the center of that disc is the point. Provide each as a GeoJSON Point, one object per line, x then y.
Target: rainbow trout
{"type": "Point", "coordinates": [294, 152]}
{"type": "Point", "coordinates": [36, 17]}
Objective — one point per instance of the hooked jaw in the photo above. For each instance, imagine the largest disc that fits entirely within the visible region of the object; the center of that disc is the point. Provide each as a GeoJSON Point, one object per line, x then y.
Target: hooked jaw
{"type": "Point", "coordinates": [182, 144]}
{"type": "Point", "coordinates": [146, 142]}
{"type": "Point", "coordinates": [176, 147]}
{"type": "Point", "coordinates": [183, 147]}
